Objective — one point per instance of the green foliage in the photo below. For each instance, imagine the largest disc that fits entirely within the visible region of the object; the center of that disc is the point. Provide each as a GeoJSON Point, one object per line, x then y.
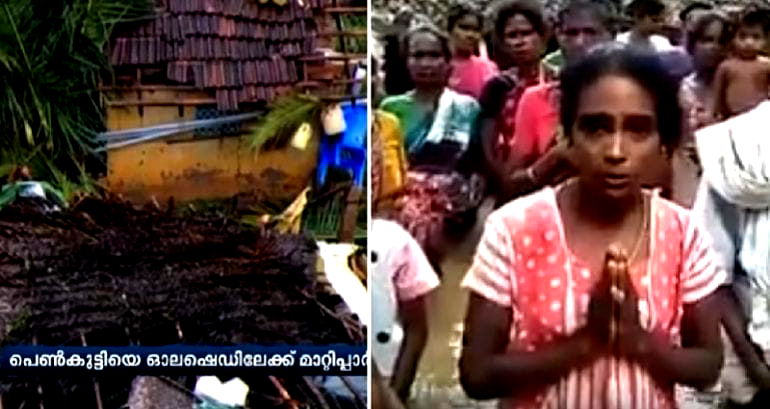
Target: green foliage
{"type": "Point", "coordinates": [274, 130]}
{"type": "Point", "coordinates": [353, 44]}
{"type": "Point", "coordinates": [51, 58]}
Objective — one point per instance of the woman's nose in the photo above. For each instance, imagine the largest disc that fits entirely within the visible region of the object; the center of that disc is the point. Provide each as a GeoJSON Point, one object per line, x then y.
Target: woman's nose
{"type": "Point", "coordinates": [579, 40]}
{"type": "Point", "coordinates": [615, 151]}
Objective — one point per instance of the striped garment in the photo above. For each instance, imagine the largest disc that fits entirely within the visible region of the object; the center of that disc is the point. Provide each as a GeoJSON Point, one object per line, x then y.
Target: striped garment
{"type": "Point", "coordinates": [523, 263]}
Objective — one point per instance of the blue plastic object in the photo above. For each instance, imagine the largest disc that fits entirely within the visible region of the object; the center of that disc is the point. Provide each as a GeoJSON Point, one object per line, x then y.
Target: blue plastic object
{"type": "Point", "coordinates": [346, 151]}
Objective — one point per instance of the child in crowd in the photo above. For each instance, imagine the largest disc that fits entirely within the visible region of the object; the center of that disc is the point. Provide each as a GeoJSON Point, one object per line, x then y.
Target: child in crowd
{"type": "Point", "coordinates": [690, 14]}
{"type": "Point", "coordinates": [402, 281]}
{"type": "Point", "coordinates": [469, 71]}
{"type": "Point", "coordinates": [648, 16]}
{"type": "Point", "coordinates": [742, 80]}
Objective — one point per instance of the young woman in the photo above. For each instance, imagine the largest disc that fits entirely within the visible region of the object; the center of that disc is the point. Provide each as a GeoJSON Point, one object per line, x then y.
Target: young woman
{"type": "Point", "coordinates": [520, 36]}
{"type": "Point", "coordinates": [436, 123]}
{"type": "Point", "coordinates": [469, 71]}
{"type": "Point", "coordinates": [707, 45]}
{"type": "Point", "coordinates": [596, 293]}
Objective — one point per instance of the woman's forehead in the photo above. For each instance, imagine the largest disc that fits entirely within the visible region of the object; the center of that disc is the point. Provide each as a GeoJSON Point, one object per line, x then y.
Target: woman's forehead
{"type": "Point", "coordinates": [469, 19]}
{"type": "Point", "coordinates": [615, 93]}
{"type": "Point", "coordinates": [713, 28]}
{"type": "Point", "coordinates": [581, 19]}
{"type": "Point", "coordinates": [518, 21]}
{"type": "Point", "coordinates": [423, 40]}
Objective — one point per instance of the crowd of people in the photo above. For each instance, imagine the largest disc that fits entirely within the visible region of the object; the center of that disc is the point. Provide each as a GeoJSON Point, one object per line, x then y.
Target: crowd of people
{"type": "Point", "coordinates": [627, 261]}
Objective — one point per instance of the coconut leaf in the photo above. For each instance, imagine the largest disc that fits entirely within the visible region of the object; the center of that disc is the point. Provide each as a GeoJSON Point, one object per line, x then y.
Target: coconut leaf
{"type": "Point", "coordinates": [51, 59]}
{"type": "Point", "coordinates": [274, 130]}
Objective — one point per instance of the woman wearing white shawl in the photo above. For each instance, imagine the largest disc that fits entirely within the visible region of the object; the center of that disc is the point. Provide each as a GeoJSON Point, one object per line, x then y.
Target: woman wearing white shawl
{"type": "Point", "coordinates": [734, 201]}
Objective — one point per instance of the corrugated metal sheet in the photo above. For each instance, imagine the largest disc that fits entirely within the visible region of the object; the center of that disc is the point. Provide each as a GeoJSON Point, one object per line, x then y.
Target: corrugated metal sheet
{"type": "Point", "coordinates": [241, 50]}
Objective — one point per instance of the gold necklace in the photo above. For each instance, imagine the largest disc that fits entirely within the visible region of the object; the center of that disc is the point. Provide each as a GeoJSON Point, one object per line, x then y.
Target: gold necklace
{"type": "Point", "coordinates": [642, 232]}
{"type": "Point", "coordinates": [642, 229]}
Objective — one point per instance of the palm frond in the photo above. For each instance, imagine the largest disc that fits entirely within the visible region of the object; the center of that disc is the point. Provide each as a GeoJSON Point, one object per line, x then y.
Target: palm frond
{"type": "Point", "coordinates": [51, 59]}
{"type": "Point", "coordinates": [287, 113]}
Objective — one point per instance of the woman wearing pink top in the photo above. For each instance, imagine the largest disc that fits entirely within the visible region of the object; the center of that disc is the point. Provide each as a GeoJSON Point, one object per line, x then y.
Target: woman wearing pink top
{"type": "Point", "coordinates": [469, 71]}
{"type": "Point", "coordinates": [597, 293]}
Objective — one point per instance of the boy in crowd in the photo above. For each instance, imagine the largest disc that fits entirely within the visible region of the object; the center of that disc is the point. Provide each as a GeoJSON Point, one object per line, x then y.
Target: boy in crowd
{"type": "Point", "coordinates": [742, 80]}
{"type": "Point", "coordinates": [648, 16]}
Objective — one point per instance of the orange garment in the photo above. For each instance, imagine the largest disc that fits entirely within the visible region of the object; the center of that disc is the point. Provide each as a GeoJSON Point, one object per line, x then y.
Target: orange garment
{"type": "Point", "coordinates": [537, 120]}
{"type": "Point", "coordinates": [388, 158]}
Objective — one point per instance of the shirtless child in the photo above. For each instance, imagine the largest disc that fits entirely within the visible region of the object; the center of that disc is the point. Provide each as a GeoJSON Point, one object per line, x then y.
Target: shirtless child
{"type": "Point", "coordinates": [742, 80]}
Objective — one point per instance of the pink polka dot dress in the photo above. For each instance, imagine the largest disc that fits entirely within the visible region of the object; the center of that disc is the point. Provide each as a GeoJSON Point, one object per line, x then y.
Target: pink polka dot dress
{"type": "Point", "coordinates": [523, 263]}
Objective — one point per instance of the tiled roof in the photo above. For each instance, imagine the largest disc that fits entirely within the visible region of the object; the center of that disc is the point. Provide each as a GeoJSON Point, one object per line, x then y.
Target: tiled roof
{"type": "Point", "coordinates": [241, 49]}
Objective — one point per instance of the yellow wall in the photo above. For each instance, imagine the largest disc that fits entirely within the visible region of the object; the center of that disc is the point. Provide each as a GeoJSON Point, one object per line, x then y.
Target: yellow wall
{"type": "Point", "coordinates": [198, 169]}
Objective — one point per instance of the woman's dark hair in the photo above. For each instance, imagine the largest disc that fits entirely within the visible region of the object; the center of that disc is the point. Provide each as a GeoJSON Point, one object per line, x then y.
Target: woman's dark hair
{"type": "Point", "coordinates": [702, 24]}
{"type": "Point", "coordinates": [696, 5]}
{"type": "Point", "coordinates": [427, 29]}
{"type": "Point", "coordinates": [643, 67]}
{"type": "Point", "coordinates": [598, 9]}
{"type": "Point", "coordinates": [461, 10]}
{"type": "Point", "coordinates": [529, 9]}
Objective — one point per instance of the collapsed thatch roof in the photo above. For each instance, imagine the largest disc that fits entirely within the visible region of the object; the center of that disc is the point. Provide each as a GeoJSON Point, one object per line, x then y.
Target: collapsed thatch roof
{"type": "Point", "coordinates": [126, 276]}
{"type": "Point", "coordinates": [117, 275]}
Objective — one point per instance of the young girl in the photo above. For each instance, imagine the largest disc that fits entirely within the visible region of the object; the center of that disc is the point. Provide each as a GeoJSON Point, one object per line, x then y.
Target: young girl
{"type": "Point", "coordinates": [706, 43]}
{"type": "Point", "coordinates": [742, 80]}
{"type": "Point", "coordinates": [469, 71]}
{"type": "Point", "coordinates": [596, 293]}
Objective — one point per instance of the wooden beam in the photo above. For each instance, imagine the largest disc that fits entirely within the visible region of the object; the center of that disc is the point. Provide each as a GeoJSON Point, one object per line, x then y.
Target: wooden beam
{"type": "Point", "coordinates": [149, 88]}
{"type": "Point", "coordinates": [336, 57]}
{"type": "Point", "coordinates": [321, 83]}
{"type": "Point", "coordinates": [344, 33]}
{"type": "Point", "coordinates": [162, 103]}
{"type": "Point", "coordinates": [345, 10]}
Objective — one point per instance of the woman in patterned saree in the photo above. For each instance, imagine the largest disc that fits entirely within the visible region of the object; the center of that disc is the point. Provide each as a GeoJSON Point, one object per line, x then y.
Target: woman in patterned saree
{"type": "Point", "coordinates": [436, 124]}
{"type": "Point", "coordinates": [597, 293]}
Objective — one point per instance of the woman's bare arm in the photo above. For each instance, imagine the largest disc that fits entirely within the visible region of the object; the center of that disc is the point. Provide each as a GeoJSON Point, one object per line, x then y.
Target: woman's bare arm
{"type": "Point", "coordinates": [488, 134]}
{"type": "Point", "coordinates": [414, 320]}
{"type": "Point", "coordinates": [383, 397]}
{"type": "Point", "coordinates": [488, 370]}
{"type": "Point", "coordinates": [698, 362]}
{"type": "Point", "coordinates": [735, 324]}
